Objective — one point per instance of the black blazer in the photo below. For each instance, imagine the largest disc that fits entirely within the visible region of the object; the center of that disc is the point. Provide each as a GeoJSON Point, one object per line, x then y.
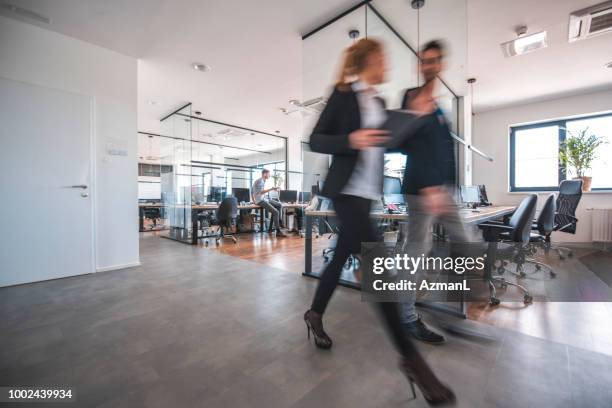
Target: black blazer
{"type": "Point", "coordinates": [430, 154]}
{"type": "Point", "coordinates": [330, 135]}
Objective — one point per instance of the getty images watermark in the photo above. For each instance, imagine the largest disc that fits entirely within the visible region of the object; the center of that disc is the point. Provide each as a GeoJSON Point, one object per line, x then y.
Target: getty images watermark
{"type": "Point", "coordinates": [480, 271]}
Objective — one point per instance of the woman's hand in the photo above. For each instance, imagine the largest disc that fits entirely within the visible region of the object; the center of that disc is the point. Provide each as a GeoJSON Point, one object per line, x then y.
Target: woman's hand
{"type": "Point", "coordinates": [364, 138]}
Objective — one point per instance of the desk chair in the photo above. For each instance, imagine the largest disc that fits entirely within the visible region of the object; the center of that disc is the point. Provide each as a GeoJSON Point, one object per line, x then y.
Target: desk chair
{"type": "Point", "coordinates": [570, 193]}
{"type": "Point", "coordinates": [517, 230]}
{"type": "Point", "coordinates": [152, 214]}
{"type": "Point", "coordinates": [352, 261]}
{"type": "Point", "coordinates": [227, 212]}
{"type": "Point", "coordinates": [544, 225]}
{"type": "Point", "coordinates": [205, 221]}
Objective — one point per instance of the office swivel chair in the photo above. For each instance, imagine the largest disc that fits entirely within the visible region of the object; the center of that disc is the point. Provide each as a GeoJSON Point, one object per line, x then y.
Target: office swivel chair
{"type": "Point", "coordinates": [517, 230]}
{"type": "Point", "coordinates": [570, 193]}
{"type": "Point", "coordinates": [205, 222]}
{"type": "Point", "coordinates": [227, 212]}
{"type": "Point", "coordinates": [152, 214]}
{"type": "Point", "coordinates": [544, 225]}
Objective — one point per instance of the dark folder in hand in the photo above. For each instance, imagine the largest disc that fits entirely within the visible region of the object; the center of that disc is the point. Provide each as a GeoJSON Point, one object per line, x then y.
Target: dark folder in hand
{"type": "Point", "coordinates": [402, 125]}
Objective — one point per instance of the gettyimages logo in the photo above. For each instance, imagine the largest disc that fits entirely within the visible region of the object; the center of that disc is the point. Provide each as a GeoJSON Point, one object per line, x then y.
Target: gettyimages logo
{"type": "Point", "coordinates": [482, 271]}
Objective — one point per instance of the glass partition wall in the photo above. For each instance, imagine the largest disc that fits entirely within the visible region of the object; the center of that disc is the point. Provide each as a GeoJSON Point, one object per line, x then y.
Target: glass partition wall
{"type": "Point", "coordinates": [401, 29]}
{"type": "Point", "coordinates": [204, 161]}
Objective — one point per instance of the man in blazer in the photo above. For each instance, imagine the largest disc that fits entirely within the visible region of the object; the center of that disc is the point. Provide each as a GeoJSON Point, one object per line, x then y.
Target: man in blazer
{"type": "Point", "coordinates": [429, 177]}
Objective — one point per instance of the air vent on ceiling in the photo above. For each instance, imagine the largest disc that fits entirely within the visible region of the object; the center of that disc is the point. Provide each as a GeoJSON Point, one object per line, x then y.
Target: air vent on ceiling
{"type": "Point", "coordinates": [591, 21]}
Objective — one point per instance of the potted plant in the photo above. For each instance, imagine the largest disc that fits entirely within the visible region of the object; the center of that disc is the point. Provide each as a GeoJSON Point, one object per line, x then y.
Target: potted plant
{"type": "Point", "coordinates": [278, 178]}
{"type": "Point", "coordinates": [578, 152]}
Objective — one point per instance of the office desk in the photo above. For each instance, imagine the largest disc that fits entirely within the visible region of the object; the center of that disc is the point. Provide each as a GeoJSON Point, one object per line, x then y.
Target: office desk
{"type": "Point", "coordinates": [210, 207]}
{"type": "Point", "coordinates": [468, 216]}
{"type": "Point", "coordinates": [141, 215]}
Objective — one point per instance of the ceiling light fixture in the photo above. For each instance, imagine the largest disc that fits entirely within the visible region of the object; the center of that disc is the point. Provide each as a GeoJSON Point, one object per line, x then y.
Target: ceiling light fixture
{"type": "Point", "coordinates": [200, 67]}
{"type": "Point", "coordinates": [524, 43]}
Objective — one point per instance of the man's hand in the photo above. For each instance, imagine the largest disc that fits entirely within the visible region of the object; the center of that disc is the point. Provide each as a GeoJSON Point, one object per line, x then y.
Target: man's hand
{"type": "Point", "coordinates": [364, 138]}
{"type": "Point", "coordinates": [437, 199]}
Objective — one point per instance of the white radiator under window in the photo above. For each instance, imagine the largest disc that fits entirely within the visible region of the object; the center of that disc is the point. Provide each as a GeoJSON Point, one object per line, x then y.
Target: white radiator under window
{"type": "Point", "coordinates": [601, 224]}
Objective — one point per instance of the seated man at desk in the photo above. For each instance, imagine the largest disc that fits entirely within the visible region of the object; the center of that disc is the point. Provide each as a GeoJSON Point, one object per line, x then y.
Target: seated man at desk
{"type": "Point", "coordinates": [260, 197]}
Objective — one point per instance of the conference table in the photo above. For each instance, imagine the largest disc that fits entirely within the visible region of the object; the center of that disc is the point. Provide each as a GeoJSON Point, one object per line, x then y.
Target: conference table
{"type": "Point", "coordinates": [469, 216]}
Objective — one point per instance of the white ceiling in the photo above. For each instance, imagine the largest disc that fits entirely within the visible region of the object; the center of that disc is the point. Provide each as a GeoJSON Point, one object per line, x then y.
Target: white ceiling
{"type": "Point", "coordinates": [561, 69]}
{"type": "Point", "coordinates": [255, 50]}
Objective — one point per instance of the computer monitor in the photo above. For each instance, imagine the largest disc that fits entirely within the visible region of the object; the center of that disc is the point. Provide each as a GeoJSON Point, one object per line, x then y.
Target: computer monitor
{"type": "Point", "coordinates": [484, 199]}
{"type": "Point", "coordinates": [397, 199]}
{"type": "Point", "coordinates": [392, 185]}
{"type": "Point", "coordinates": [288, 196]}
{"type": "Point", "coordinates": [470, 194]}
{"type": "Point", "coordinates": [305, 196]}
{"type": "Point", "coordinates": [243, 195]}
{"type": "Point", "coordinates": [216, 194]}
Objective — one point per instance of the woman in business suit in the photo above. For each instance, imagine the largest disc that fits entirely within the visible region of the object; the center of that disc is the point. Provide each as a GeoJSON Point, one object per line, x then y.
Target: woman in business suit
{"type": "Point", "coordinates": [348, 130]}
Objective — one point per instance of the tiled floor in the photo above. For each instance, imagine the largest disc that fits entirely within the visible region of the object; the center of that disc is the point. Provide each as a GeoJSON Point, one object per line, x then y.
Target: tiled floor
{"type": "Point", "coordinates": [197, 328]}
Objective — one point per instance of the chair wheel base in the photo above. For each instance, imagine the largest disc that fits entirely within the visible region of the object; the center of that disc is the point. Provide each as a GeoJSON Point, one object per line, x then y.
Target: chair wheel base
{"type": "Point", "coordinates": [494, 301]}
{"type": "Point", "coordinates": [528, 299]}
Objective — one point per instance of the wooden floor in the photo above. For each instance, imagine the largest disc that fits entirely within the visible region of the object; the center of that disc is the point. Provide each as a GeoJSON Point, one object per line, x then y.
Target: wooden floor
{"type": "Point", "coordinates": [579, 324]}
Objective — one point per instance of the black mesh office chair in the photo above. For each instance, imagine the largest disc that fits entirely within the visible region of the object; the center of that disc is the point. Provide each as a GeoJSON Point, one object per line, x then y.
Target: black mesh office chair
{"type": "Point", "coordinates": [205, 222]}
{"type": "Point", "coordinates": [227, 212]}
{"type": "Point", "coordinates": [544, 226]}
{"type": "Point", "coordinates": [517, 230]}
{"type": "Point", "coordinates": [152, 214]}
{"type": "Point", "coordinates": [570, 193]}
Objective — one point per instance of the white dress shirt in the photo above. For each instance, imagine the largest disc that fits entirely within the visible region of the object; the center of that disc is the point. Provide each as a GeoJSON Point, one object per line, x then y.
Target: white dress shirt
{"type": "Point", "coordinates": [366, 179]}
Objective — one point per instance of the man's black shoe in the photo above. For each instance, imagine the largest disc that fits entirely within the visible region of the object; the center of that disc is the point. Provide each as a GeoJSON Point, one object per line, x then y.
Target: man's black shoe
{"type": "Point", "coordinates": [419, 331]}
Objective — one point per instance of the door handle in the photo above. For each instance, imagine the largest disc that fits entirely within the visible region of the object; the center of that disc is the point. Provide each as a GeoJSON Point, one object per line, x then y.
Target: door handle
{"type": "Point", "coordinates": [81, 186]}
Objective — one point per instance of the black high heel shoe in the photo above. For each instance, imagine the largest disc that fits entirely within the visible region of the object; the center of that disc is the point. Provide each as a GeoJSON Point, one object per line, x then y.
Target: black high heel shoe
{"type": "Point", "coordinates": [418, 372]}
{"type": "Point", "coordinates": [314, 324]}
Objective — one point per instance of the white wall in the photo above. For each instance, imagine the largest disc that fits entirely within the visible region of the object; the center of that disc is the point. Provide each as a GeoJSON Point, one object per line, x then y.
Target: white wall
{"type": "Point", "coordinates": [491, 134]}
{"type": "Point", "coordinates": [34, 55]}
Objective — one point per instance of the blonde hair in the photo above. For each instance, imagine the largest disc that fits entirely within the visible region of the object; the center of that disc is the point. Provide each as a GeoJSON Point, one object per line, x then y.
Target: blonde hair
{"type": "Point", "coordinates": [355, 59]}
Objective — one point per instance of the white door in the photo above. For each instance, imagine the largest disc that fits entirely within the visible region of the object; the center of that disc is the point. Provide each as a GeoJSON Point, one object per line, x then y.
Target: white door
{"type": "Point", "coordinates": [45, 179]}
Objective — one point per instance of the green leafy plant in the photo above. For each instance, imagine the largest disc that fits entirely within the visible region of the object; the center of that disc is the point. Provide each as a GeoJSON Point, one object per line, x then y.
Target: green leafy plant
{"type": "Point", "coordinates": [579, 150]}
{"type": "Point", "coordinates": [278, 178]}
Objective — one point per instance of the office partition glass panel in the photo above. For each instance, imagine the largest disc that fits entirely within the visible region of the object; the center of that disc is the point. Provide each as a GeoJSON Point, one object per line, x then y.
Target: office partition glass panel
{"type": "Point", "coordinates": [176, 179]}
{"type": "Point", "coordinates": [202, 161]}
{"type": "Point", "coordinates": [399, 28]}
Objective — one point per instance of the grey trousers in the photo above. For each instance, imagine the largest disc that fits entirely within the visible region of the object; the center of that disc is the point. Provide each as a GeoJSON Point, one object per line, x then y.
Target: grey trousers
{"type": "Point", "coordinates": [420, 237]}
{"type": "Point", "coordinates": [274, 208]}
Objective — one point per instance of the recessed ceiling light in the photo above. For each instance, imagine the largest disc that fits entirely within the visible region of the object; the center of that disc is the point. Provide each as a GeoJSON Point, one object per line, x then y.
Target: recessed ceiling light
{"type": "Point", "coordinates": [524, 43]}
{"type": "Point", "coordinates": [200, 67]}
{"type": "Point", "coordinates": [152, 102]}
